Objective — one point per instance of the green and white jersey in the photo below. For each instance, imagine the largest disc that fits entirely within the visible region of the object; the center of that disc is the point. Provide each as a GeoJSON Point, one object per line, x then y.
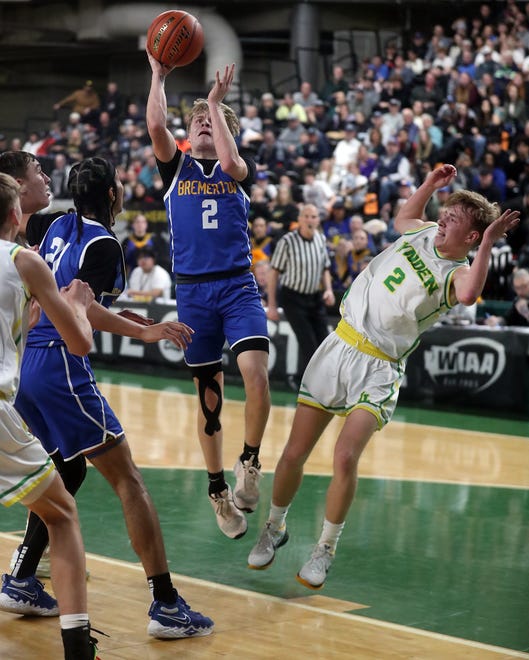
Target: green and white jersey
{"type": "Point", "coordinates": [13, 320]}
{"type": "Point", "coordinates": [401, 293]}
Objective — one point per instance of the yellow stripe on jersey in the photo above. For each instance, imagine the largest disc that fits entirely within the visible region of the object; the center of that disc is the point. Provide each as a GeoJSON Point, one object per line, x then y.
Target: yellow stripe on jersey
{"type": "Point", "coordinates": [14, 250]}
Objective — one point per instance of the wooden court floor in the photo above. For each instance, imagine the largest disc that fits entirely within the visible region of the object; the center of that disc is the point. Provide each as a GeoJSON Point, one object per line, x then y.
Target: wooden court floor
{"type": "Point", "coordinates": [433, 563]}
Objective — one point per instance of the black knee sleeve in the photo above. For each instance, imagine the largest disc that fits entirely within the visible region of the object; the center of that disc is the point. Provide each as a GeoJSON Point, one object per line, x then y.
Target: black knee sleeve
{"type": "Point", "coordinates": [205, 376]}
{"type": "Point", "coordinates": [73, 472]}
{"type": "Point", "coordinates": [36, 537]}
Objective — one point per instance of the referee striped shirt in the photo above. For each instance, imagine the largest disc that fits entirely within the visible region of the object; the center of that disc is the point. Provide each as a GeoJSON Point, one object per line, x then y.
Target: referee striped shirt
{"type": "Point", "coordinates": [301, 262]}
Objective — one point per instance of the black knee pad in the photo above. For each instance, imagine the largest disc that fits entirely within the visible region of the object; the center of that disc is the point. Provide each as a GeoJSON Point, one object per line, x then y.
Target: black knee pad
{"type": "Point", "coordinates": [206, 379]}
{"type": "Point", "coordinates": [73, 472]}
{"type": "Point", "coordinates": [251, 344]}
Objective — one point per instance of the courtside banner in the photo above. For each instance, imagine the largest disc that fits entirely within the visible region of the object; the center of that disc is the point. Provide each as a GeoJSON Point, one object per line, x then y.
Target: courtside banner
{"type": "Point", "coordinates": [283, 358]}
{"type": "Point", "coordinates": [475, 366]}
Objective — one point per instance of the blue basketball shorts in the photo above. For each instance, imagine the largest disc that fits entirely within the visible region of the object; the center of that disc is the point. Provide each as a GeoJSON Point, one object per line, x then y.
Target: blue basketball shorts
{"type": "Point", "coordinates": [219, 311]}
{"type": "Point", "coordinates": [59, 400]}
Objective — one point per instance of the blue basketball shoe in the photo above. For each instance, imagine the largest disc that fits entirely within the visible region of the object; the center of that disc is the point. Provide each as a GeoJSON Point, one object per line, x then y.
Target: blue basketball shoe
{"type": "Point", "coordinates": [173, 621]}
{"type": "Point", "coordinates": [26, 596]}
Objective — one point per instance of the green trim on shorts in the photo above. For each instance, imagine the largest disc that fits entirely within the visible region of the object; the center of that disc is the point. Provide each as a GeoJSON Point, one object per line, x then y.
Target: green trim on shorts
{"type": "Point", "coordinates": [341, 411]}
{"type": "Point", "coordinates": [23, 488]}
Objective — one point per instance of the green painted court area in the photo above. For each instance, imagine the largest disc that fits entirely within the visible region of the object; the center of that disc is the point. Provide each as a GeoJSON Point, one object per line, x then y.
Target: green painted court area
{"type": "Point", "coordinates": [453, 559]}
{"type": "Point", "coordinates": [421, 555]}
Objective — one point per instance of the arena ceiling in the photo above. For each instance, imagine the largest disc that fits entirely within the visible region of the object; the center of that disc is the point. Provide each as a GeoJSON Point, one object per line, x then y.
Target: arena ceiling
{"type": "Point", "coordinates": [37, 30]}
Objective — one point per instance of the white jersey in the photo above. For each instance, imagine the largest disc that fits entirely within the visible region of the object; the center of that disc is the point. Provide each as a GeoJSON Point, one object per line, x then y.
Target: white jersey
{"type": "Point", "coordinates": [14, 315]}
{"type": "Point", "coordinates": [26, 471]}
{"type": "Point", "coordinates": [401, 293]}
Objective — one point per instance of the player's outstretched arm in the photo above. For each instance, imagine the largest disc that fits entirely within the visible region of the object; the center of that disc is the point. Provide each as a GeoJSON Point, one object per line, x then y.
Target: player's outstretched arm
{"type": "Point", "coordinates": [225, 146]}
{"type": "Point", "coordinates": [163, 142]}
{"type": "Point", "coordinates": [66, 309]}
{"type": "Point", "coordinates": [411, 214]}
{"type": "Point", "coordinates": [105, 320]}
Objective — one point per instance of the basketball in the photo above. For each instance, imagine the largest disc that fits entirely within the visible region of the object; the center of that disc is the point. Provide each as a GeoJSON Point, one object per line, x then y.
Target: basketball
{"type": "Point", "coordinates": [175, 38]}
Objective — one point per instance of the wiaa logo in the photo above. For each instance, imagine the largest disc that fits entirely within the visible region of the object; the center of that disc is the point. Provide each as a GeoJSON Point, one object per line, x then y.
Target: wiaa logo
{"type": "Point", "coordinates": [470, 364]}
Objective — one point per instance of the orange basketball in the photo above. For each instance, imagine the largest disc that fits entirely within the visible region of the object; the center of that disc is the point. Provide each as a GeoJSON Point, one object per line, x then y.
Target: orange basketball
{"type": "Point", "coordinates": [175, 38]}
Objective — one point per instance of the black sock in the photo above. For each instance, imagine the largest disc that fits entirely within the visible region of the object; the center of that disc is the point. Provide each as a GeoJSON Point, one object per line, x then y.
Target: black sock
{"type": "Point", "coordinates": [162, 588]}
{"type": "Point", "coordinates": [217, 483]}
{"type": "Point", "coordinates": [32, 547]}
{"type": "Point", "coordinates": [251, 454]}
{"type": "Point", "coordinates": [76, 642]}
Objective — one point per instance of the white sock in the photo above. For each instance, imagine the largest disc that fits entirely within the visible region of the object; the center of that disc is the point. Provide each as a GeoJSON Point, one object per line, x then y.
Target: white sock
{"type": "Point", "coordinates": [330, 533]}
{"type": "Point", "coordinates": [73, 620]}
{"type": "Point", "coordinates": [278, 515]}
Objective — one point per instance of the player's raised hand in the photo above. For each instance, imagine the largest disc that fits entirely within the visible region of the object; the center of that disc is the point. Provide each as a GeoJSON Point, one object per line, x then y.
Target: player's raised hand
{"type": "Point", "coordinates": [222, 84]}
{"type": "Point", "coordinates": [442, 176]}
{"type": "Point", "coordinates": [158, 68]}
{"type": "Point", "coordinates": [499, 228]}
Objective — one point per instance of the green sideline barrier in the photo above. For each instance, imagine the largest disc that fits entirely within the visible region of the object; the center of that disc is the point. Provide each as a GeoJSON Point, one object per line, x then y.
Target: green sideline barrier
{"type": "Point", "coordinates": [493, 308]}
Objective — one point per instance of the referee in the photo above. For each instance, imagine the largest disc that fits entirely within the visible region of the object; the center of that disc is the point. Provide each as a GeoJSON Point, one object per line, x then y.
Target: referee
{"type": "Point", "coordinates": [300, 264]}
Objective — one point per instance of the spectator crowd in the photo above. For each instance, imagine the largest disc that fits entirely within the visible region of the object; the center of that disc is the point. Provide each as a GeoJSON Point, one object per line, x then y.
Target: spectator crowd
{"type": "Point", "coordinates": [355, 149]}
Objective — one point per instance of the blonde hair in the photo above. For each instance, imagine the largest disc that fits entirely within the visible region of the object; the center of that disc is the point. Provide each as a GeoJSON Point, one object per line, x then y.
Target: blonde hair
{"type": "Point", "coordinates": [201, 106]}
{"type": "Point", "coordinates": [9, 192]}
{"type": "Point", "coordinates": [482, 213]}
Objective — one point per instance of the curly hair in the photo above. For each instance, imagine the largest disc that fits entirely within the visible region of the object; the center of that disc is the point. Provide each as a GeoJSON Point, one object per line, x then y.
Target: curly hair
{"type": "Point", "coordinates": [200, 106]}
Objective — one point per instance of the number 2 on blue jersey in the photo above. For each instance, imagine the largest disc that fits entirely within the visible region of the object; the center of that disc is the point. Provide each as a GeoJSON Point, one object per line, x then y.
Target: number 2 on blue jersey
{"type": "Point", "coordinates": [209, 211]}
{"type": "Point", "coordinates": [58, 248]}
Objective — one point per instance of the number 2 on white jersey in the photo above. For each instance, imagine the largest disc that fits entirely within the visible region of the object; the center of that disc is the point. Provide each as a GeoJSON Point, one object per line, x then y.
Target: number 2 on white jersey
{"type": "Point", "coordinates": [393, 280]}
{"type": "Point", "coordinates": [209, 211]}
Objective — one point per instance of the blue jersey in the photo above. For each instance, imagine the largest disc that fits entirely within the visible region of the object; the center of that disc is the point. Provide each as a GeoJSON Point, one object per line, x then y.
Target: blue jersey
{"type": "Point", "coordinates": [65, 255]}
{"type": "Point", "coordinates": [208, 220]}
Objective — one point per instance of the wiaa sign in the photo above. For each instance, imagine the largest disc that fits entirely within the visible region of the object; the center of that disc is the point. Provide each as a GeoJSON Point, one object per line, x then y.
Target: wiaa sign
{"type": "Point", "coordinates": [471, 366]}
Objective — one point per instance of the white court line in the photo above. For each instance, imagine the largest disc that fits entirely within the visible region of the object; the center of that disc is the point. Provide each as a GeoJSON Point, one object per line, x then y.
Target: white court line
{"type": "Point", "coordinates": [382, 477]}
